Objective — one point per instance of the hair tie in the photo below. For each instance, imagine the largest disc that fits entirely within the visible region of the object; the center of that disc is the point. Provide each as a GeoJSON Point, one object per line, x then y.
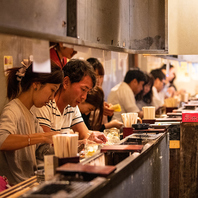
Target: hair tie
{"type": "Point", "coordinates": [21, 72]}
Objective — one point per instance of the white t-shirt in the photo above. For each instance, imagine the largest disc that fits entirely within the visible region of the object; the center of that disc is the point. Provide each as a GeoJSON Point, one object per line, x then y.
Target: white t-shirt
{"type": "Point", "coordinates": [157, 101]}
{"type": "Point", "coordinates": [17, 165]}
{"type": "Point", "coordinates": [51, 117]}
{"type": "Point", "coordinates": [123, 95]}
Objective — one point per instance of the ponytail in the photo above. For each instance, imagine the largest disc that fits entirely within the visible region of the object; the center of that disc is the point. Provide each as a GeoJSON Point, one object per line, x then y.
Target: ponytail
{"type": "Point", "coordinates": [20, 79]}
{"type": "Point", "coordinates": [13, 87]}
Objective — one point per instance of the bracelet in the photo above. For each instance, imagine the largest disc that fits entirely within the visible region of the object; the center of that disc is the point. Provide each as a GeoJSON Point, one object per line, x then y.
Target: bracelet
{"type": "Point", "coordinates": [29, 140]}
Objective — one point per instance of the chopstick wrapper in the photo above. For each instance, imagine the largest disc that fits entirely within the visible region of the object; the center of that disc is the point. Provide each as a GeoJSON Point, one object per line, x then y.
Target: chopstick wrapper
{"type": "Point", "coordinates": [65, 145]}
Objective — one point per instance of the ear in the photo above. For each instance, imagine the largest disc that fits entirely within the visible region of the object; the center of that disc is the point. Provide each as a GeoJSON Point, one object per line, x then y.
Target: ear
{"type": "Point", "coordinates": [66, 82]}
{"type": "Point", "coordinates": [157, 79]}
{"type": "Point", "coordinates": [36, 85]}
{"type": "Point", "coordinates": [132, 84]}
{"type": "Point", "coordinates": [61, 44]}
{"type": "Point", "coordinates": [134, 81]}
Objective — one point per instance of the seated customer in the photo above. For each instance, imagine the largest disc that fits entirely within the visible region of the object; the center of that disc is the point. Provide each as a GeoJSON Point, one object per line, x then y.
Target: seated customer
{"type": "Point", "coordinates": [99, 71]}
{"type": "Point", "coordinates": [63, 113]}
{"type": "Point", "coordinates": [159, 82]}
{"type": "Point", "coordinates": [93, 102]}
{"type": "Point", "coordinates": [124, 93]}
{"type": "Point", "coordinates": [145, 97]}
{"type": "Point", "coordinates": [20, 133]}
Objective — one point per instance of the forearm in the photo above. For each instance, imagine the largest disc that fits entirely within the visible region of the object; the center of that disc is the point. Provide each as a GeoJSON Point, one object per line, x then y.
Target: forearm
{"type": "Point", "coordinates": [82, 130]}
{"type": "Point", "coordinates": [14, 142]}
{"type": "Point", "coordinates": [108, 125]}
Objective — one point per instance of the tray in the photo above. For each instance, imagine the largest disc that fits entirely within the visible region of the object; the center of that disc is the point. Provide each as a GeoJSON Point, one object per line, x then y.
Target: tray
{"type": "Point", "coordinates": [168, 120]}
{"type": "Point", "coordinates": [88, 169]}
{"type": "Point", "coordinates": [174, 114]}
{"type": "Point", "coordinates": [122, 148]}
{"type": "Point", "coordinates": [151, 130]}
{"type": "Point", "coordinates": [140, 126]}
{"type": "Point", "coordinates": [144, 136]}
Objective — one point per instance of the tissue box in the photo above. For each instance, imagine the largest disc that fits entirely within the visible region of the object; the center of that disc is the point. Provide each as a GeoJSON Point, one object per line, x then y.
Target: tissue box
{"type": "Point", "coordinates": [51, 162]}
{"type": "Point", "coordinates": [190, 116]}
{"type": "Point", "coordinates": [127, 131]}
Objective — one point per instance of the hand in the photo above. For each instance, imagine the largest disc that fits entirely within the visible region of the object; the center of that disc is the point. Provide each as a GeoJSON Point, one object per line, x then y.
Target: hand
{"type": "Point", "coordinates": [48, 136]}
{"type": "Point", "coordinates": [114, 123]}
{"type": "Point", "coordinates": [97, 137]}
{"type": "Point", "coordinates": [106, 109]}
{"type": "Point", "coordinates": [85, 141]}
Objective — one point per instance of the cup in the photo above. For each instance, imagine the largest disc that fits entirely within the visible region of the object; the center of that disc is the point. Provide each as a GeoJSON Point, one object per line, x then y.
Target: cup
{"type": "Point", "coordinates": [149, 112]}
{"type": "Point", "coordinates": [184, 97]}
{"type": "Point", "coordinates": [90, 149]}
{"type": "Point", "coordinates": [113, 135]}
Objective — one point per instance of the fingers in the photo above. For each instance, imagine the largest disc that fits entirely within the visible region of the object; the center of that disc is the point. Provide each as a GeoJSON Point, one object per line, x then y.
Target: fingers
{"type": "Point", "coordinates": [98, 137]}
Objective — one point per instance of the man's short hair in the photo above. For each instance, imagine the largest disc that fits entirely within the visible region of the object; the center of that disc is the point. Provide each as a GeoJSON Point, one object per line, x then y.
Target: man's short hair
{"type": "Point", "coordinates": [77, 69]}
{"type": "Point", "coordinates": [157, 73]}
{"type": "Point", "coordinates": [134, 74]}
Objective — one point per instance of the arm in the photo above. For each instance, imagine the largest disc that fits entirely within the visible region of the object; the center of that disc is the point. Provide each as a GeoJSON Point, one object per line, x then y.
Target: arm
{"type": "Point", "coordinates": [84, 133]}
{"type": "Point", "coordinates": [81, 129]}
{"type": "Point", "coordinates": [106, 109]}
{"type": "Point", "coordinates": [45, 128]}
{"type": "Point", "coordinates": [14, 142]}
{"type": "Point", "coordinates": [113, 123]}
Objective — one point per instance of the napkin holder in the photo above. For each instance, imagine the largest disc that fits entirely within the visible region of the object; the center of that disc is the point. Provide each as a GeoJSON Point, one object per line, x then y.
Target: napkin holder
{"type": "Point", "coordinates": [127, 131]}
{"type": "Point", "coordinates": [170, 109]}
{"type": "Point", "coordinates": [51, 162]}
{"type": "Point", "coordinates": [61, 161]}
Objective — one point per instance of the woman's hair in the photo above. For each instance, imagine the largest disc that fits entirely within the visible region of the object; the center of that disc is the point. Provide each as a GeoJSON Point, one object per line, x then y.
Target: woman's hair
{"type": "Point", "coordinates": [148, 97]}
{"type": "Point", "coordinates": [157, 73]}
{"type": "Point", "coordinates": [164, 66]}
{"type": "Point", "coordinates": [17, 84]}
{"type": "Point", "coordinates": [172, 82]}
{"type": "Point", "coordinates": [96, 65]}
{"type": "Point", "coordinates": [95, 97]}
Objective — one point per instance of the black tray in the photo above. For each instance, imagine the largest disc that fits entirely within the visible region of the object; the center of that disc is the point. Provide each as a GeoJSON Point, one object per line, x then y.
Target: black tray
{"type": "Point", "coordinates": [140, 126]}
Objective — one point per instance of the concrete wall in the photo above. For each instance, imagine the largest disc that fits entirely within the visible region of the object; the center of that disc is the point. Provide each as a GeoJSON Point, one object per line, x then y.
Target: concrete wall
{"type": "Point", "coordinates": [182, 27]}
{"type": "Point", "coordinates": [17, 47]}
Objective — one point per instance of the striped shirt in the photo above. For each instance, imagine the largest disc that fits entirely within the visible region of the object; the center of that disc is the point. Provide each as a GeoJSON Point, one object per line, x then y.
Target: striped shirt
{"type": "Point", "coordinates": [51, 117]}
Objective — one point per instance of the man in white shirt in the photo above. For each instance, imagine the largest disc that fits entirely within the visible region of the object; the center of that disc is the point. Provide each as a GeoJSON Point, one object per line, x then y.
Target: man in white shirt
{"type": "Point", "coordinates": [124, 93]}
{"type": "Point", "coordinates": [159, 82]}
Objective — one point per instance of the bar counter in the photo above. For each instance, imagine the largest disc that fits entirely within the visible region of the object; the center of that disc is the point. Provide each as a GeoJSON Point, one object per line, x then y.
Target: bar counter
{"type": "Point", "coordinates": [144, 174]}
